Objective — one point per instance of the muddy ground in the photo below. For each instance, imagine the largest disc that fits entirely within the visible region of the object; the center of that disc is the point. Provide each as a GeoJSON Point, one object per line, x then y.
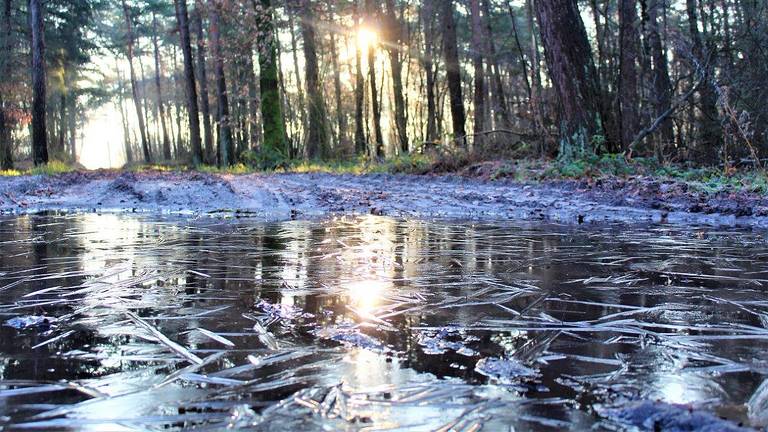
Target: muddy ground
{"type": "Point", "coordinates": [284, 196]}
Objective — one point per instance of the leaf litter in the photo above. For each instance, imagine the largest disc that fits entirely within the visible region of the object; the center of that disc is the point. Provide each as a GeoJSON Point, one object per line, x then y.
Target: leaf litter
{"type": "Point", "coordinates": [370, 322]}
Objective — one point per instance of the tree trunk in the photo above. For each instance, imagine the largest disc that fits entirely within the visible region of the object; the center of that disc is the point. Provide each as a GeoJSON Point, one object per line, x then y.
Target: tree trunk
{"type": "Point", "coordinates": [394, 33]}
{"type": "Point", "coordinates": [428, 12]}
{"type": "Point", "coordinates": [372, 16]}
{"type": "Point", "coordinates": [271, 109]}
{"type": "Point", "coordinates": [709, 135]}
{"type": "Point", "coordinates": [134, 85]}
{"type": "Point", "coordinates": [662, 85]}
{"type": "Point", "coordinates": [629, 98]}
{"type": "Point", "coordinates": [453, 72]}
{"type": "Point", "coordinates": [478, 41]}
{"type": "Point", "coordinates": [499, 98]}
{"type": "Point", "coordinates": [62, 138]}
{"type": "Point", "coordinates": [39, 132]}
{"type": "Point", "coordinates": [224, 128]}
{"type": "Point", "coordinates": [182, 18]}
{"type": "Point", "coordinates": [141, 85]}
{"type": "Point", "coordinates": [299, 87]}
{"type": "Point", "coordinates": [317, 139]}
{"type": "Point", "coordinates": [536, 92]}
{"type": "Point", "coordinates": [6, 145]}
{"type": "Point", "coordinates": [202, 79]}
{"type": "Point", "coordinates": [341, 118]}
{"type": "Point", "coordinates": [360, 143]}
{"type": "Point", "coordinates": [573, 74]}
{"type": "Point", "coordinates": [160, 105]}
{"type": "Point", "coordinates": [123, 115]}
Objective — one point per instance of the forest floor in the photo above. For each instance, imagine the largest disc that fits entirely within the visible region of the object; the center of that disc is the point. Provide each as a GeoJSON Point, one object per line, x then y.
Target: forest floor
{"type": "Point", "coordinates": [281, 196]}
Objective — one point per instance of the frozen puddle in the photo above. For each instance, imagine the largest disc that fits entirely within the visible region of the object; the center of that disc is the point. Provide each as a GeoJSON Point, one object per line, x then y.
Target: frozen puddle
{"type": "Point", "coordinates": [121, 323]}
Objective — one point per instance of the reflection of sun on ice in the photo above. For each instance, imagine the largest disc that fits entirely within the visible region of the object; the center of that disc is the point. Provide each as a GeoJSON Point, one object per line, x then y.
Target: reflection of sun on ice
{"type": "Point", "coordinates": [366, 295]}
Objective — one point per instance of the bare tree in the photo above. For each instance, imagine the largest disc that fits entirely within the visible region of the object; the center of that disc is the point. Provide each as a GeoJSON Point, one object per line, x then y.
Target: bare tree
{"type": "Point", "coordinates": [39, 132]}
{"type": "Point", "coordinates": [573, 74]}
{"type": "Point", "coordinates": [317, 138]}
{"type": "Point", "coordinates": [134, 85]}
{"type": "Point", "coordinates": [453, 72]}
{"type": "Point", "coordinates": [226, 145]}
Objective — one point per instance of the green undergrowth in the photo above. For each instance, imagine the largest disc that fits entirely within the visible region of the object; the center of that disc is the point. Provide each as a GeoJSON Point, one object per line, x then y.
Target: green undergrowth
{"type": "Point", "coordinates": [51, 168]}
{"type": "Point", "coordinates": [704, 179]}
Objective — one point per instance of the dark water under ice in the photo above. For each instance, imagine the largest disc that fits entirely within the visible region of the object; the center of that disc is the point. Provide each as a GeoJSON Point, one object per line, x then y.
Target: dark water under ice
{"type": "Point", "coordinates": [135, 322]}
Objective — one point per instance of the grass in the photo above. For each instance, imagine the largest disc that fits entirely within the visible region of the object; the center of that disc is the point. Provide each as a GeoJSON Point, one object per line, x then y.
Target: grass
{"type": "Point", "coordinates": [710, 180]}
{"type": "Point", "coordinates": [51, 168]}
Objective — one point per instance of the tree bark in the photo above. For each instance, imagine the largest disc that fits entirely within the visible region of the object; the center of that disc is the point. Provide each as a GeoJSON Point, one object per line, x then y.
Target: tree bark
{"type": "Point", "coordinates": [453, 72]}
{"type": "Point", "coordinates": [428, 11]}
{"type": "Point", "coordinates": [317, 136]}
{"type": "Point", "coordinates": [224, 128]}
{"type": "Point", "coordinates": [662, 84]}
{"type": "Point", "coordinates": [302, 114]}
{"type": "Point", "coordinates": [202, 79]}
{"type": "Point", "coordinates": [372, 16]}
{"type": "Point", "coordinates": [499, 98]}
{"type": "Point", "coordinates": [341, 118]}
{"type": "Point", "coordinates": [394, 33]}
{"type": "Point", "coordinates": [478, 41]}
{"type": "Point", "coordinates": [123, 116]}
{"type": "Point", "coordinates": [536, 91]}
{"type": "Point", "coordinates": [629, 97]}
{"type": "Point", "coordinates": [160, 104]}
{"type": "Point", "coordinates": [39, 132]}
{"type": "Point", "coordinates": [573, 74]}
{"type": "Point", "coordinates": [360, 143]}
{"type": "Point", "coordinates": [182, 18]}
{"type": "Point", "coordinates": [6, 144]}
{"type": "Point", "coordinates": [271, 109]}
{"type": "Point", "coordinates": [710, 136]}
{"type": "Point", "coordinates": [134, 85]}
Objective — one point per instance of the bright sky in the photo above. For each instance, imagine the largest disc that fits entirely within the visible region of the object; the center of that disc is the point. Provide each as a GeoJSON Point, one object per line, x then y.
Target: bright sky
{"type": "Point", "coordinates": [102, 143]}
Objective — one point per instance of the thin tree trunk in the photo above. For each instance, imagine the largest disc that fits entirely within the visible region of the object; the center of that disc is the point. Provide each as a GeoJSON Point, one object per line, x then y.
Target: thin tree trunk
{"type": "Point", "coordinates": [143, 92]}
{"type": "Point", "coordinates": [536, 92]}
{"type": "Point", "coordinates": [710, 137]}
{"type": "Point", "coordinates": [662, 84]}
{"type": "Point", "coordinates": [428, 12]}
{"type": "Point", "coordinates": [453, 72]}
{"type": "Point", "coordinates": [341, 118]}
{"type": "Point", "coordinates": [252, 120]}
{"type": "Point", "coordinates": [501, 112]}
{"type": "Point", "coordinates": [202, 79]}
{"type": "Point", "coordinates": [299, 87]}
{"type": "Point", "coordinates": [59, 151]}
{"type": "Point", "coordinates": [134, 86]}
{"type": "Point", "coordinates": [396, 64]}
{"type": "Point", "coordinates": [39, 132]}
{"type": "Point", "coordinates": [372, 16]}
{"type": "Point", "coordinates": [360, 144]}
{"type": "Point", "coordinates": [160, 105]}
{"type": "Point", "coordinates": [182, 18]}
{"type": "Point", "coordinates": [223, 120]}
{"type": "Point", "coordinates": [6, 145]}
{"type": "Point", "coordinates": [479, 78]}
{"type": "Point", "coordinates": [123, 116]}
{"type": "Point", "coordinates": [629, 98]}
{"type": "Point", "coordinates": [317, 139]}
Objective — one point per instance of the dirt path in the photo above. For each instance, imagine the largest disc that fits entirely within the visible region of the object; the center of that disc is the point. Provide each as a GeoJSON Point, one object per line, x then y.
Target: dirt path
{"type": "Point", "coordinates": [284, 196]}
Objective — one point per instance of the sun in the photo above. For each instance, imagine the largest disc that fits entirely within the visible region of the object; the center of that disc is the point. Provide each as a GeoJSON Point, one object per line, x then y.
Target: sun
{"type": "Point", "coordinates": [366, 37]}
